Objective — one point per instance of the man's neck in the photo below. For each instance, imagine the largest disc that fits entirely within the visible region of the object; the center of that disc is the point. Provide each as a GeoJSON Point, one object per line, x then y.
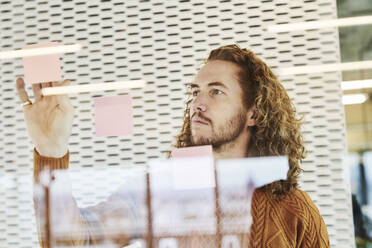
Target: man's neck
{"type": "Point", "coordinates": [234, 149]}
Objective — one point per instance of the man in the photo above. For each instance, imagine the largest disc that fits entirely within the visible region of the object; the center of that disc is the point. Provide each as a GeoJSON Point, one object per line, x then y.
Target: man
{"type": "Point", "coordinates": [238, 106]}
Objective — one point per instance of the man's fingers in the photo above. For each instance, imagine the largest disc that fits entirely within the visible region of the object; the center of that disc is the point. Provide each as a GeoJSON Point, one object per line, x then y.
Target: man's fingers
{"type": "Point", "coordinates": [56, 84]}
{"type": "Point", "coordinates": [65, 82]}
{"type": "Point", "coordinates": [45, 85]}
{"type": "Point", "coordinates": [22, 93]}
{"type": "Point", "coordinates": [65, 100]}
{"type": "Point", "coordinates": [62, 99]}
{"type": "Point", "coordinates": [61, 83]}
{"type": "Point", "coordinates": [37, 91]}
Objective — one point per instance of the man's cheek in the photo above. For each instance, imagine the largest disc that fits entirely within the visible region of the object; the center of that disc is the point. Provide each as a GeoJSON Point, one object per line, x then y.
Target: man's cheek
{"type": "Point", "coordinates": [191, 112]}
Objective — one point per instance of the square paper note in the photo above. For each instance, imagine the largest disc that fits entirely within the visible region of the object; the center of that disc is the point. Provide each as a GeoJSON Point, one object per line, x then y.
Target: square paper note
{"type": "Point", "coordinates": [113, 115]}
{"type": "Point", "coordinates": [42, 68]}
{"type": "Point", "coordinates": [193, 168]}
{"type": "Point", "coordinates": [193, 151]}
{"type": "Point", "coordinates": [193, 173]}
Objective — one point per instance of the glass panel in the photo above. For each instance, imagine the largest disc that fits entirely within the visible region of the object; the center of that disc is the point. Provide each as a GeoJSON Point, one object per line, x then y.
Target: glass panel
{"type": "Point", "coordinates": [151, 208]}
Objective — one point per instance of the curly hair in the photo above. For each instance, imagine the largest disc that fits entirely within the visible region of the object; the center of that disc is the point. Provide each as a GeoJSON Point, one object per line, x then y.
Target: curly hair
{"type": "Point", "coordinates": [277, 130]}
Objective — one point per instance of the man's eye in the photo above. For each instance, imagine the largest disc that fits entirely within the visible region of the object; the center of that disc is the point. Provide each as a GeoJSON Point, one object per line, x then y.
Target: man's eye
{"type": "Point", "coordinates": [194, 93]}
{"type": "Point", "coordinates": [217, 92]}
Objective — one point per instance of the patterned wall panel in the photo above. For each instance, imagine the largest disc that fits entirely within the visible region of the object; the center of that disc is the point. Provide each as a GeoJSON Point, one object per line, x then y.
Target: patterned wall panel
{"type": "Point", "coordinates": [164, 42]}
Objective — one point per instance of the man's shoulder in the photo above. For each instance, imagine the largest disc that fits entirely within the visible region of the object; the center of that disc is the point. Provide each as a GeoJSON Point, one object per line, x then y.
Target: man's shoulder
{"type": "Point", "coordinates": [297, 202]}
{"type": "Point", "coordinates": [295, 211]}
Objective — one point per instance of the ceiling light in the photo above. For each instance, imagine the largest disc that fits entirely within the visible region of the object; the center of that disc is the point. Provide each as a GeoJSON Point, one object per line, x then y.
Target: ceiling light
{"type": "Point", "coordinates": [310, 69]}
{"type": "Point", "coordinates": [356, 85]}
{"type": "Point", "coordinates": [341, 22]}
{"type": "Point", "coordinates": [74, 89]}
{"type": "Point", "coordinates": [39, 51]}
{"type": "Point", "coordinates": [354, 99]}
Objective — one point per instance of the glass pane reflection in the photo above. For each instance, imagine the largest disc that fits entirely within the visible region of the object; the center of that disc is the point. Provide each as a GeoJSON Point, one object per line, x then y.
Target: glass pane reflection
{"type": "Point", "coordinates": [149, 209]}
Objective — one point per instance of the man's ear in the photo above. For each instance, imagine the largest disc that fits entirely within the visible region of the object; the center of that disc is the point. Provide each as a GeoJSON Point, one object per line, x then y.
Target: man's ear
{"type": "Point", "coordinates": [252, 116]}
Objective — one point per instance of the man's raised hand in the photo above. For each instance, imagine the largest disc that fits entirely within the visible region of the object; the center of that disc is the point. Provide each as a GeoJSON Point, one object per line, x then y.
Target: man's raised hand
{"type": "Point", "coordinates": [48, 119]}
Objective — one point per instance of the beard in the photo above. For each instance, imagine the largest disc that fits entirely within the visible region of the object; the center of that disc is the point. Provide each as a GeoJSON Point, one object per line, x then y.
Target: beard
{"type": "Point", "coordinates": [224, 133]}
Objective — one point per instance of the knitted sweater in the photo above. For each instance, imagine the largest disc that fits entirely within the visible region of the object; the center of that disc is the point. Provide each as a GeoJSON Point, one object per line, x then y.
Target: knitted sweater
{"type": "Point", "coordinates": [290, 222]}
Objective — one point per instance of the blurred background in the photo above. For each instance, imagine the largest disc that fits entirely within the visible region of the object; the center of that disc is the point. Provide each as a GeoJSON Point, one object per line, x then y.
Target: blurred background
{"type": "Point", "coordinates": [356, 45]}
{"type": "Point", "coordinates": [164, 43]}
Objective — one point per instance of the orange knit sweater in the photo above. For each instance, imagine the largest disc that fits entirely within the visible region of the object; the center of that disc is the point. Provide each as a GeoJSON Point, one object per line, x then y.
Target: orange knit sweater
{"type": "Point", "coordinates": [290, 222]}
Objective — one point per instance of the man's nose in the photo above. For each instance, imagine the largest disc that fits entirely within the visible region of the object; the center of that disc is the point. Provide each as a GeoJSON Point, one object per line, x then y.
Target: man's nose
{"type": "Point", "coordinates": [201, 107]}
{"type": "Point", "coordinates": [200, 103]}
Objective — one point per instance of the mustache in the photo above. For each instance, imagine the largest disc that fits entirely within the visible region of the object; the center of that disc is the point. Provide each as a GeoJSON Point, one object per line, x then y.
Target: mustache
{"type": "Point", "coordinates": [201, 116]}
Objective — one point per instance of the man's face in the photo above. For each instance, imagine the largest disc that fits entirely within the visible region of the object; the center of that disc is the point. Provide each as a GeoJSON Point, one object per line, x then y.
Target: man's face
{"type": "Point", "coordinates": [216, 110]}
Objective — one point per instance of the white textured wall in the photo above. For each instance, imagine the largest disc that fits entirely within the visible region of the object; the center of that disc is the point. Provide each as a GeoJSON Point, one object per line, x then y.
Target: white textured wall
{"type": "Point", "coordinates": [163, 43]}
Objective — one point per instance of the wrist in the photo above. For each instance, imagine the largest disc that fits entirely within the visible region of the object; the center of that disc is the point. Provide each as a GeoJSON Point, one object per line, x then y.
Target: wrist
{"type": "Point", "coordinates": [51, 152]}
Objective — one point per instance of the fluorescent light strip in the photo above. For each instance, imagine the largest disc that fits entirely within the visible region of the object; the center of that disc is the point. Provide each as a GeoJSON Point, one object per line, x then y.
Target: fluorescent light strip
{"type": "Point", "coordinates": [341, 22]}
{"type": "Point", "coordinates": [325, 68]}
{"type": "Point", "coordinates": [40, 51]}
{"type": "Point", "coordinates": [92, 87]}
{"type": "Point", "coordinates": [354, 99]}
{"type": "Point", "coordinates": [356, 85]}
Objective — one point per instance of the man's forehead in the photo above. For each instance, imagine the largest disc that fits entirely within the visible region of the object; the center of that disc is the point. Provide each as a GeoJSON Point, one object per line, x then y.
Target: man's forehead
{"type": "Point", "coordinates": [208, 84]}
{"type": "Point", "coordinates": [217, 71]}
{"type": "Point", "coordinates": [225, 80]}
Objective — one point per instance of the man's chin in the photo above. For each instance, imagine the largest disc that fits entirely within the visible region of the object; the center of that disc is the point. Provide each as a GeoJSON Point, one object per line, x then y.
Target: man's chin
{"type": "Point", "coordinates": [200, 141]}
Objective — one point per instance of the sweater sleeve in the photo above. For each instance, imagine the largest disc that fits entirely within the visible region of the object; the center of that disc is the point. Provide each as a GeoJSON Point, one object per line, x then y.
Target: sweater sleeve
{"type": "Point", "coordinates": [316, 234]}
{"type": "Point", "coordinates": [41, 163]}
{"type": "Point", "coordinates": [71, 225]}
{"type": "Point", "coordinates": [290, 222]}
{"type": "Point", "coordinates": [68, 210]}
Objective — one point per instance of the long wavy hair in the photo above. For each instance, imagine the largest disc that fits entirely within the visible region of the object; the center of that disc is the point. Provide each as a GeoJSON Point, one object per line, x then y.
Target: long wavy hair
{"type": "Point", "coordinates": [277, 130]}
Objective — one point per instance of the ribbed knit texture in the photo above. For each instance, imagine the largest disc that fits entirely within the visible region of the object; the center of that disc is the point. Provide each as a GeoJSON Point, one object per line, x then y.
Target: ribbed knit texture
{"type": "Point", "coordinates": [293, 221]}
{"type": "Point", "coordinates": [41, 163]}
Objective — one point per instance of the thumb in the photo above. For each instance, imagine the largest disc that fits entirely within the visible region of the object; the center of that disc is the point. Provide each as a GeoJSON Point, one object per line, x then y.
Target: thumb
{"type": "Point", "coordinates": [65, 82]}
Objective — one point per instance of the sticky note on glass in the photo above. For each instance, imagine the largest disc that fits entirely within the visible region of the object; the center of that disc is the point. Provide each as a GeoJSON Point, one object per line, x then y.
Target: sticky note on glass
{"type": "Point", "coordinates": [193, 151]}
{"type": "Point", "coordinates": [42, 68]}
{"type": "Point", "coordinates": [256, 171]}
{"type": "Point", "coordinates": [113, 115]}
{"type": "Point", "coordinates": [193, 168]}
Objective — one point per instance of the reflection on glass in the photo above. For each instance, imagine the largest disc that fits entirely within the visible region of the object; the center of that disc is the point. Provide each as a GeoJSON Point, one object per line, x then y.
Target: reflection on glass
{"type": "Point", "coordinates": [151, 208]}
{"type": "Point", "coordinates": [182, 216]}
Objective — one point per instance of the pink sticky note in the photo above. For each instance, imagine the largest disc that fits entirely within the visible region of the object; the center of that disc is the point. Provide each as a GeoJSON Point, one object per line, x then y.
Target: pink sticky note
{"type": "Point", "coordinates": [189, 160]}
{"type": "Point", "coordinates": [42, 68]}
{"type": "Point", "coordinates": [193, 151]}
{"type": "Point", "coordinates": [113, 115]}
